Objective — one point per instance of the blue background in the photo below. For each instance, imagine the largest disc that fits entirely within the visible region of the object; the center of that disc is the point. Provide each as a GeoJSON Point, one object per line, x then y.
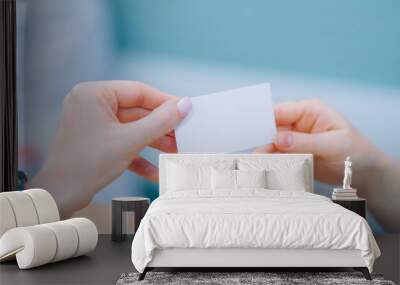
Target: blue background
{"type": "Point", "coordinates": [354, 40]}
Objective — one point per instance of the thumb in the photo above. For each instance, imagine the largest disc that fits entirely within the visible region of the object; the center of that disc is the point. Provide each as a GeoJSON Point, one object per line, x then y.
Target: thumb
{"type": "Point", "coordinates": [296, 142]}
{"type": "Point", "coordinates": [159, 122]}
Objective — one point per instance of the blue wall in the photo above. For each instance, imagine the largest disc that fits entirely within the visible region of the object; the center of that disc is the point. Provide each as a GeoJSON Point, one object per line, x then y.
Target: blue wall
{"type": "Point", "coordinates": [356, 40]}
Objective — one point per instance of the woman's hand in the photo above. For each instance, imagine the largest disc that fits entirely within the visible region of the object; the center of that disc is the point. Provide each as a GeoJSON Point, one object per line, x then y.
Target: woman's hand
{"type": "Point", "coordinates": [103, 127]}
{"type": "Point", "coordinates": [310, 126]}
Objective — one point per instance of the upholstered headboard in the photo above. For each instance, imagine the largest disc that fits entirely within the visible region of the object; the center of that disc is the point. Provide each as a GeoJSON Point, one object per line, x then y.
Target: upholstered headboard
{"type": "Point", "coordinates": [165, 158]}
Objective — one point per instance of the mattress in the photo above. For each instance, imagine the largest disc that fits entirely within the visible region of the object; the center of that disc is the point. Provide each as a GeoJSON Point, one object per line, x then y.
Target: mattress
{"type": "Point", "coordinates": [251, 219]}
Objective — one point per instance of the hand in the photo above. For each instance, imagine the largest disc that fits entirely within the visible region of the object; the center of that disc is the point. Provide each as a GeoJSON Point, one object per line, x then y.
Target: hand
{"type": "Point", "coordinates": [103, 127]}
{"type": "Point", "coordinates": [310, 126]}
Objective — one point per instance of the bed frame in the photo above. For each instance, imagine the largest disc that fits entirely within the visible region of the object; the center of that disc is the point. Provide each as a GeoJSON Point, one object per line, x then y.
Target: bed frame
{"type": "Point", "coordinates": [246, 259]}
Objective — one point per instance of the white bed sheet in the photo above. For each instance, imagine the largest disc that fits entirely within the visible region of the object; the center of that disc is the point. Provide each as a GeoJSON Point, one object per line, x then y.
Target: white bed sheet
{"type": "Point", "coordinates": [250, 218]}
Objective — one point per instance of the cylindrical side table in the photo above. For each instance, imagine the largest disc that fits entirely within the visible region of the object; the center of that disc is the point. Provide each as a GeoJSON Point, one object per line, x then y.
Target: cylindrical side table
{"type": "Point", "coordinates": [139, 205]}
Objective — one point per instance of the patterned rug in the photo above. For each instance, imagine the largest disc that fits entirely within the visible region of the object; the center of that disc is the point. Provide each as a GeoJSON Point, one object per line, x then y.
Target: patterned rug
{"type": "Point", "coordinates": [269, 278]}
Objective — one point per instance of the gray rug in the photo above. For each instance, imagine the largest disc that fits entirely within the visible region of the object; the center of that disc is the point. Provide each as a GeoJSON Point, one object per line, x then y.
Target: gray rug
{"type": "Point", "coordinates": [225, 278]}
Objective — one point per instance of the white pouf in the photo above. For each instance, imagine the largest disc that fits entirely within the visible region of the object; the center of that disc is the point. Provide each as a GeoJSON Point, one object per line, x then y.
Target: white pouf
{"type": "Point", "coordinates": [31, 233]}
{"type": "Point", "coordinates": [7, 220]}
{"type": "Point", "coordinates": [67, 240]}
{"type": "Point", "coordinates": [23, 208]}
{"type": "Point", "coordinates": [37, 245]}
{"type": "Point", "coordinates": [45, 205]}
{"type": "Point", "coordinates": [33, 246]}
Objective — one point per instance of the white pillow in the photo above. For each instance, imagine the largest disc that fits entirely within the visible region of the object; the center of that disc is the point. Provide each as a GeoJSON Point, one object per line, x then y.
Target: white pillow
{"type": "Point", "coordinates": [183, 177]}
{"type": "Point", "coordinates": [291, 179]}
{"type": "Point", "coordinates": [282, 174]}
{"type": "Point", "coordinates": [186, 174]}
{"type": "Point", "coordinates": [251, 178]}
{"type": "Point", "coordinates": [223, 179]}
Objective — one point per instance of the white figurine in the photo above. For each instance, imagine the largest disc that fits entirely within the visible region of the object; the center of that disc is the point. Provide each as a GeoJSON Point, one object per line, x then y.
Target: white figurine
{"type": "Point", "coordinates": [347, 174]}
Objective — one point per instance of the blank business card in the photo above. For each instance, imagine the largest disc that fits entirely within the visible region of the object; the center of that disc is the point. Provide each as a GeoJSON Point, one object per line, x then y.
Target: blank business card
{"type": "Point", "coordinates": [228, 121]}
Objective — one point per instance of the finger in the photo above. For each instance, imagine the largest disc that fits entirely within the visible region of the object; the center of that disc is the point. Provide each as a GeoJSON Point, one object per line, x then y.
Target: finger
{"type": "Point", "coordinates": [296, 142]}
{"type": "Point", "coordinates": [303, 114]}
{"type": "Point", "coordinates": [131, 94]}
{"type": "Point", "coordinates": [171, 133]}
{"type": "Point", "coordinates": [284, 128]}
{"type": "Point", "coordinates": [288, 113]}
{"type": "Point", "coordinates": [269, 148]}
{"type": "Point", "coordinates": [158, 123]}
{"type": "Point", "coordinates": [144, 168]}
{"type": "Point", "coordinates": [309, 116]}
{"type": "Point", "coordinates": [126, 115]}
{"type": "Point", "coordinates": [165, 144]}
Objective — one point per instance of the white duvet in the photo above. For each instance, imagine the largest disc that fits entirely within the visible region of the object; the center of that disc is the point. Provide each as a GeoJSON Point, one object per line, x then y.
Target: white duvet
{"type": "Point", "coordinates": [250, 219]}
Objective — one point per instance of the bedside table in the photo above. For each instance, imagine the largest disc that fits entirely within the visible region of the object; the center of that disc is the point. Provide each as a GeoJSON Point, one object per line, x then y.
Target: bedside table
{"type": "Point", "coordinates": [357, 206]}
{"type": "Point", "coordinates": [138, 205]}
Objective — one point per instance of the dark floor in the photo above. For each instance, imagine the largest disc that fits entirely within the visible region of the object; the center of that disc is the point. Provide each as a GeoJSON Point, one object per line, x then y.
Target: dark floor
{"type": "Point", "coordinates": [110, 260]}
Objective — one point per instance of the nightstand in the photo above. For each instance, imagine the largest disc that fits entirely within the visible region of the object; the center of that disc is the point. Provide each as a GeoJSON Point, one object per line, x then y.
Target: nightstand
{"type": "Point", "coordinates": [357, 206]}
{"type": "Point", "coordinates": [138, 205]}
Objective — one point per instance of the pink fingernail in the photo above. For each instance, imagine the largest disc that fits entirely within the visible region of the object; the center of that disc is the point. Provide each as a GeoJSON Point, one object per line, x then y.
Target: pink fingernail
{"type": "Point", "coordinates": [184, 106]}
{"type": "Point", "coordinates": [284, 139]}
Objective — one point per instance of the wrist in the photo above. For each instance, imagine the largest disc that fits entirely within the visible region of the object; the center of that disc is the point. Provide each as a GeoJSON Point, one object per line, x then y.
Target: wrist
{"type": "Point", "coordinates": [67, 190]}
{"type": "Point", "coordinates": [370, 163]}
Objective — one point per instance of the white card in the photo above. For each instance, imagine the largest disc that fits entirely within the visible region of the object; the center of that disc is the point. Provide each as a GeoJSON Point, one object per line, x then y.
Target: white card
{"type": "Point", "coordinates": [228, 121]}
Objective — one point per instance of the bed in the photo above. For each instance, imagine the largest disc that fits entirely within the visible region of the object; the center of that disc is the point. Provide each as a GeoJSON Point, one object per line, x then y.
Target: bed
{"type": "Point", "coordinates": [247, 211]}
